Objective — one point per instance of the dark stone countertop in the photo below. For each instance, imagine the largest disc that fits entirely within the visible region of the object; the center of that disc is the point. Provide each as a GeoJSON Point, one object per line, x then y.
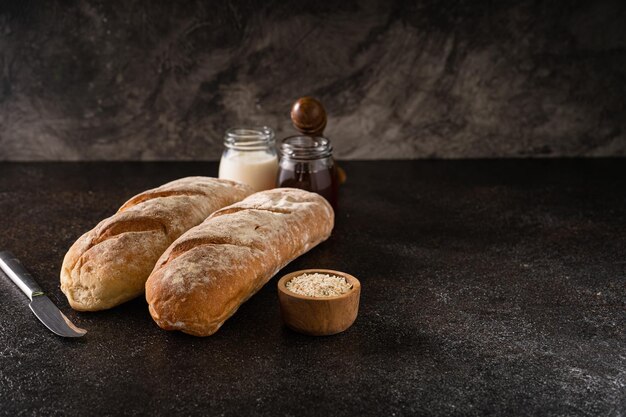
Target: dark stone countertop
{"type": "Point", "coordinates": [489, 287]}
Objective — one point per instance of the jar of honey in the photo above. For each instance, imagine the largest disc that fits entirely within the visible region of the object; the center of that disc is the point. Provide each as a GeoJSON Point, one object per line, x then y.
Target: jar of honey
{"type": "Point", "coordinates": [306, 162]}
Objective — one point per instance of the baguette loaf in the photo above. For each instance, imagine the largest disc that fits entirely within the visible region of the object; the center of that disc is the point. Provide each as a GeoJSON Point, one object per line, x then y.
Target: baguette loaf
{"type": "Point", "coordinates": [110, 264]}
{"type": "Point", "coordinates": [207, 273]}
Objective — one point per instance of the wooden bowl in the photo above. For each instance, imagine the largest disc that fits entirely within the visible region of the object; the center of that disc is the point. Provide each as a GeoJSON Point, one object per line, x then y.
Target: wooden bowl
{"type": "Point", "coordinates": [319, 316]}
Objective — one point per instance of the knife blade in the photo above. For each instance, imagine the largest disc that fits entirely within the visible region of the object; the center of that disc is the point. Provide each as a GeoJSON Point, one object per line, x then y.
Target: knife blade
{"type": "Point", "coordinates": [43, 308]}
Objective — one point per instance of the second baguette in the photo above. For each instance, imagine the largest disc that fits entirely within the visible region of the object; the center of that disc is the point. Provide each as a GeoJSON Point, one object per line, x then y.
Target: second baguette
{"type": "Point", "coordinates": [207, 273]}
{"type": "Point", "coordinates": [109, 264]}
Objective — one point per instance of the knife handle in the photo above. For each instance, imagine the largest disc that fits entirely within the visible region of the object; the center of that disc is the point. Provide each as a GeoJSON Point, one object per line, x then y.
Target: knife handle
{"type": "Point", "coordinates": [19, 275]}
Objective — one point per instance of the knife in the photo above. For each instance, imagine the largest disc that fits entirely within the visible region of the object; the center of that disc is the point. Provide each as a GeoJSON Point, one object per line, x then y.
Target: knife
{"type": "Point", "coordinates": [44, 309]}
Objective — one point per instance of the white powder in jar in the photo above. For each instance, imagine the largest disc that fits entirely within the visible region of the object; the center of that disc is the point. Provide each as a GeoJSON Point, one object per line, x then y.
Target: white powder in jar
{"type": "Point", "coordinates": [318, 285]}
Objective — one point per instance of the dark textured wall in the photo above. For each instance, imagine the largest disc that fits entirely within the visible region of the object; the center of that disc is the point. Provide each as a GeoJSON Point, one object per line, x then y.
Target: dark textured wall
{"type": "Point", "coordinates": [431, 78]}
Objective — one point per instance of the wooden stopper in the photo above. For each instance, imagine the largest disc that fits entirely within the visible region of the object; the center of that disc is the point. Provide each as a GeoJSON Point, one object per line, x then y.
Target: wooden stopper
{"type": "Point", "coordinates": [308, 116]}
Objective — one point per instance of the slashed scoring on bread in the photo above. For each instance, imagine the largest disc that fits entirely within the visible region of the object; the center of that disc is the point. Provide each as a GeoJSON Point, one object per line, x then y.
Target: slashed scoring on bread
{"type": "Point", "coordinates": [110, 264]}
{"type": "Point", "coordinates": [207, 273]}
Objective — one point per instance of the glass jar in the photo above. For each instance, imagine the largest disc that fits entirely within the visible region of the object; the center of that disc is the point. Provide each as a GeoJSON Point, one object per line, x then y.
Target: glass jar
{"type": "Point", "coordinates": [306, 162]}
{"type": "Point", "coordinates": [250, 157]}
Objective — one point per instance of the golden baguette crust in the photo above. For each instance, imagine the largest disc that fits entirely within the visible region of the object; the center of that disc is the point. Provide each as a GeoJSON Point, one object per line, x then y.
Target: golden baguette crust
{"type": "Point", "coordinates": [109, 264]}
{"type": "Point", "coordinates": [207, 273]}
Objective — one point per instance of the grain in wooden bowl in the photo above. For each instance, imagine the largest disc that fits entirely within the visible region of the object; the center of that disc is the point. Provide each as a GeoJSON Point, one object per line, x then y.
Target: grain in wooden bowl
{"type": "Point", "coordinates": [319, 302]}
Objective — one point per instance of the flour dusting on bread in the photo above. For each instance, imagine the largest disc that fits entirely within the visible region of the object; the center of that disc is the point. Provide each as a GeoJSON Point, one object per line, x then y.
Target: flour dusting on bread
{"type": "Point", "coordinates": [208, 272]}
{"type": "Point", "coordinates": [110, 264]}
